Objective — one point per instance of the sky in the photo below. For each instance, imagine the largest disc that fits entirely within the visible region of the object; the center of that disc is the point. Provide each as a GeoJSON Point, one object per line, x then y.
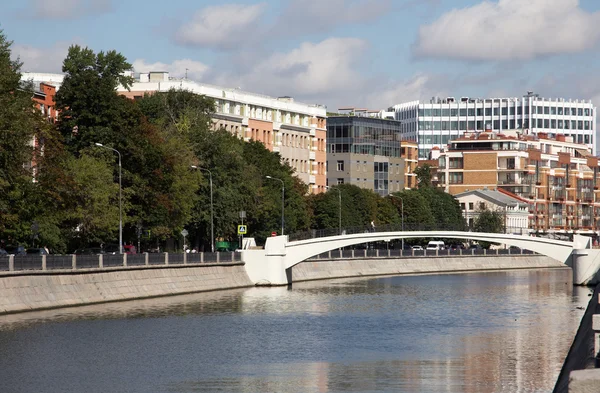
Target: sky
{"type": "Point", "coordinates": [363, 53]}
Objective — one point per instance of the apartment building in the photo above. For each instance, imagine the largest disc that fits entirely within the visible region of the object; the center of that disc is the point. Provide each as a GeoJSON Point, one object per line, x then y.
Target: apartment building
{"type": "Point", "coordinates": [556, 176]}
{"type": "Point", "coordinates": [295, 130]}
{"type": "Point", "coordinates": [435, 123]}
{"type": "Point", "coordinates": [368, 152]}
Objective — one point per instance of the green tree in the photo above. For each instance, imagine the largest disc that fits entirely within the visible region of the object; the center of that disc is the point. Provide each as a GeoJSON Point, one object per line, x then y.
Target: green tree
{"type": "Point", "coordinates": [90, 108]}
{"type": "Point", "coordinates": [445, 209]}
{"type": "Point", "coordinates": [424, 176]}
{"type": "Point", "coordinates": [20, 123]}
{"type": "Point", "coordinates": [93, 194]}
{"type": "Point", "coordinates": [489, 221]}
{"type": "Point", "coordinates": [158, 187]}
{"type": "Point", "coordinates": [417, 210]}
{"type": "Point", "coordinates": [359, 208]}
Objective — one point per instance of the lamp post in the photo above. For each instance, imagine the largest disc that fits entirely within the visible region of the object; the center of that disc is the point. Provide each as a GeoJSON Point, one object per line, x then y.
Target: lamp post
{"type": "Point", "coordinates": [402, 213]}
{"type": "Point", "coordinates": [282, 201]}
{"type": "Point", "coordinates": [212, 210]}
{"type": "Point", "coordinates": [339, 209]}
{"type": "Point", "coordinates": [120, 203]}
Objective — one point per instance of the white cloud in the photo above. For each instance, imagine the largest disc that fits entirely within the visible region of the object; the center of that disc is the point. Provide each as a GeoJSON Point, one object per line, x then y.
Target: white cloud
{"type": "Point", "coordinates": [178, 68]}
{"type": "Point", "coordinates": [64, 9]}
{"type": "Point", "coordinates": [221, 27]}
{"type": "Point", "coordinates": [421, 86]}
{"type": "Point", "coordinates": [46, 59]}
{"type": "Point", "coordinates": [509, 30]}
{"type": "Point", "coordinates": [312, 69]}
{"type": "Point", "coordinates": [310, 16]}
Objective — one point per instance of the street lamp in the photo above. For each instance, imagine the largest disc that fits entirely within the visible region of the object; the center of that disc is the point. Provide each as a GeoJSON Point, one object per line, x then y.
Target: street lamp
{"type": "Point", "coordinates": [402, 212]}
{"type": "Point", "coordinates": [212, 210]}
{"type": "Point", "coordinates": [120, 203]}
{"type": "Point", "coordinates": [339, 208]}
{"type": "Point", "coordinates": [282, 200]}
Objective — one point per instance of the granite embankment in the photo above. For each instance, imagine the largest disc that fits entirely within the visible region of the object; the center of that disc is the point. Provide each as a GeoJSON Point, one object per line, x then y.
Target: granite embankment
{"type": "Point", "coordinates": [36, 290]}
{"type": "Point", "coordinates": [337, 268]}
{"type": "Point", "coordinates": [43, 290]}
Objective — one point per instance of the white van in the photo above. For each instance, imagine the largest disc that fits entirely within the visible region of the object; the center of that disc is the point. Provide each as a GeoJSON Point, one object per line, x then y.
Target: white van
{"type": "Point", "coordinates": [436, 245]}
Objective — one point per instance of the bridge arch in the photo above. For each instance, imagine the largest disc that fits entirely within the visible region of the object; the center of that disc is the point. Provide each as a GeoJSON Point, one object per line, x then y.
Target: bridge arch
{"type": "Point", "coordinates": [297, 251]}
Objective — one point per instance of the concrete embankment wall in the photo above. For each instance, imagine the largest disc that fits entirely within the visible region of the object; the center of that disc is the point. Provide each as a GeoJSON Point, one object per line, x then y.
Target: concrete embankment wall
{"type": "Point", "coordinates": [36, 290]}
{"type": "Point", "coordinates": [338, 268]}
{"type": "Point", "coordinates": [581, 354]}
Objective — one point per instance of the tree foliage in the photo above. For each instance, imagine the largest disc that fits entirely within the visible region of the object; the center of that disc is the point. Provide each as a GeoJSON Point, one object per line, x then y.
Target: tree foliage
{"type": "Point", "coordinates": [424, 175]}
{"type": "Point", "coordinates": [20, 123]}
{"type": "Point", "coordinates": [489, 221]}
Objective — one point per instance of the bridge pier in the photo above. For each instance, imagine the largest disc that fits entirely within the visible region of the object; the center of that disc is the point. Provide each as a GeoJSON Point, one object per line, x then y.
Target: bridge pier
{"type": "Point", "coordinates": [586, 266]}
{"type": "Point", "coordinates": [268, 267]}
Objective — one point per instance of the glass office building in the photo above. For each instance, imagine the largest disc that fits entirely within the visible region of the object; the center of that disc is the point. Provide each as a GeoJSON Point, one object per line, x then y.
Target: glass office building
{"type": "Point", "coordinates": [435, 123]}
{"type": "Point", "coordinates": [366, 152]}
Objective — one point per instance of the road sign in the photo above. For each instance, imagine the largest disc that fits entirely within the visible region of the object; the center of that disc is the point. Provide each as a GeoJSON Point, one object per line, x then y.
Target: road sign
{"type": "Point", "coordinates": [273, 234]}
{"type": "Point", "coordinates": [184, 232]}
{"type": "Point", "coordinates": [242, 229]}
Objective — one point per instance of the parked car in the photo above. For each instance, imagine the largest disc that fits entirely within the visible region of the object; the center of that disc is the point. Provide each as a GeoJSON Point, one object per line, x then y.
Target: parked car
{"type": "Point", "coordinates": [417, 248]}
{"type": "Point", "coordinates": [89, 251]}
{"type": "Point", "coordinates": [111, 249]}
{"type": "Point", "coordinates": [15, 250]}
{"type": "Point", "coordinates": [129, 249]}
{"type": "Point", "coordinates": [436, 245]}
{"type": "Point", "coordinates": [36, 251]}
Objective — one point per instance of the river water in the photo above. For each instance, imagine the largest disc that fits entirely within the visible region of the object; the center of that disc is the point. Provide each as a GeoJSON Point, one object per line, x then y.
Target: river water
{"type": "Point", "coordinates": [483, 332]}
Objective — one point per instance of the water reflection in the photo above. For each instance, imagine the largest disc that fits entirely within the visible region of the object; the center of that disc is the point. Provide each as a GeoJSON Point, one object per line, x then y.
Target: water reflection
{"type": "Point", "coordinates": [491, 332]}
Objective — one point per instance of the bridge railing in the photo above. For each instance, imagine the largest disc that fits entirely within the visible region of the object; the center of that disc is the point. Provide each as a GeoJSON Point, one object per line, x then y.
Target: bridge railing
{"type": "Point", "coordinates": [395, 253]}
{"type": "Point", "coordinates": [102, 261]}
{"type": "Point", "coordinates": [317, 233]}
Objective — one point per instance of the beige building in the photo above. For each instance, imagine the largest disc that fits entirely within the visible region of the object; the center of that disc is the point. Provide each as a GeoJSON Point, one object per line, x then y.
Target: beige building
{"type": "Point", "coordinates": [557, 177]}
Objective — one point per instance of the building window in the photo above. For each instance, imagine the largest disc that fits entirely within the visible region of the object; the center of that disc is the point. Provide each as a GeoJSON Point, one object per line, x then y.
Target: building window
{"type": "Point", "coordinates": [455, 178]}
{"type": "Point", "coordinates": [455, 163]}
{"type": "Point", "coordinates": [470, 205]}
{"type": "Point", "coordinates": [462, 206]}
{"type": "Point", "coordinates": [340, 181]}
{"type": "Point", "coordinates": [340, 166]}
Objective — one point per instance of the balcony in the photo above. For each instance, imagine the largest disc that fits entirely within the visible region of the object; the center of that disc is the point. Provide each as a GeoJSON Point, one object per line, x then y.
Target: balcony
{"type": "Point", "coordinates": [311, 179]}
{"type": "Point", "coordinates": [311, 155]}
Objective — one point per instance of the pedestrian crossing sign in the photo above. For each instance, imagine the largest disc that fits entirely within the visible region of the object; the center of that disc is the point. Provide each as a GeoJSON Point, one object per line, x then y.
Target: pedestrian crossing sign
{"type": "Point", "coordinates": [242, 229]}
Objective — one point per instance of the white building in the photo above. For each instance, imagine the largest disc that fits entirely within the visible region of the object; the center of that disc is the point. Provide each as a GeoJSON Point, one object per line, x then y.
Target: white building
{"type": "Point", "coordinates": [514, 210]}
{"type": "Point", "coordinates": [441, 120]}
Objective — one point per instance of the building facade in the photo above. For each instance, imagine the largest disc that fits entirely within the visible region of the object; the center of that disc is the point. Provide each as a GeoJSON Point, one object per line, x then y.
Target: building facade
{"type": "Point", "coordinates": [514, 210]}
{"type": "Point", "coordinates": [295, 130]}
{"type": "Point", "coordinates": [556, 176]}
{"type": "Point", "coordinates": [441, 120]}
{"type": "Point", "coordinates": [366, 152]}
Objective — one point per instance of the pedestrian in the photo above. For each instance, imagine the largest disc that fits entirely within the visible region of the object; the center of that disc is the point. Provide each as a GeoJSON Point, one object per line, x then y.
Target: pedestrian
{"type": "Point", "coordinates": [46, 249]}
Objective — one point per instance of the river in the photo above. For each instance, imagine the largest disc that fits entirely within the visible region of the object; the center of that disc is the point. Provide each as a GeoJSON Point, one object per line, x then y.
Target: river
{"type": "Point", "coordinates": [481, 332]}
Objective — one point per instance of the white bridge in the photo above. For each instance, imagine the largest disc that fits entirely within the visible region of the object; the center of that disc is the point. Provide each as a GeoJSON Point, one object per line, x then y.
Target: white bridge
{"type": "Point", "coordinates": [271, 265]}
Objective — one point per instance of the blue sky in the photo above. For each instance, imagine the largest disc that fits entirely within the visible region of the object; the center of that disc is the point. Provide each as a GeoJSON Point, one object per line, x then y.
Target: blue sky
{"type": "Point", "coordinates": [368, 53]}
